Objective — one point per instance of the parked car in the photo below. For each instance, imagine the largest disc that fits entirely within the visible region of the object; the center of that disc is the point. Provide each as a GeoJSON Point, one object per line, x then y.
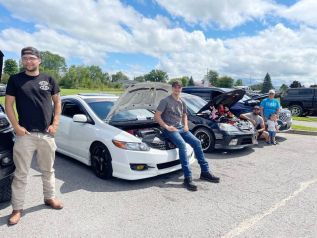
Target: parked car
{"type": "Point", "coordinates": [118, 136]}
{"type": "Point", "coordinates": [6, 159]}
{"type": "Point", "coordinates": [300, 101]}
{"type": "Point", "coordinates": [222, 132]}
{"type": "Point", "coordinates": [245, 105]}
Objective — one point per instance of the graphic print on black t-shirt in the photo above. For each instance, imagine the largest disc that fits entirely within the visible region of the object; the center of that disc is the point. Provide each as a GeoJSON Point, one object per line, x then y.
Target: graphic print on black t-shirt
{"type": "Point", "coordinates": [33, 95]}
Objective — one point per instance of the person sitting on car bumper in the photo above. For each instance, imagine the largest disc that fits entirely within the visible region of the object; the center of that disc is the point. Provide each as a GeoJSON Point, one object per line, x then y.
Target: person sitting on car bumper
{"type": "Point", "coordinates": [258, 122]}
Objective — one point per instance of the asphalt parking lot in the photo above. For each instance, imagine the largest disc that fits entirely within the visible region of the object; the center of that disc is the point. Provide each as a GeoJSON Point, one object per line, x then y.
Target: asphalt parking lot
{"type": "Point", "coordinates": [265, 191]}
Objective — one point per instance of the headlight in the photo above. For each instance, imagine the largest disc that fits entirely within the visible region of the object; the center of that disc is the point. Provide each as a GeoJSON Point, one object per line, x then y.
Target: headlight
{"type": "Point", "coordinates": [138, 146]}
{"type": "Point", "coordinates": [4, 123]}
{"type": "Point", "coordinates": [6, 160]}
{"type": "Point", "coordinates": [227, 127]}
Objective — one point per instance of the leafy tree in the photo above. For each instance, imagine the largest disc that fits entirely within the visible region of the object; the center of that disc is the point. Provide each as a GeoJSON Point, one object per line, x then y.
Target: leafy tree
{"type": "Point", "coordinates": [239, 82]}
{"type": "Point", "coordinates": [267, 84]}
{"type": "Point", "coordinates": [191, 82]}
{"type": "Point", "coordinates": [184, 80]}
{"type": "Point", "coordinates": [257, 87]}
{"type": "Point", "coordinates": [212, 77]}
{"type": "Point", "coordinates": [139, 78]}
{"type": "Point", "coordinates": [50, 61]}
{"type": "Point", "coordinates": [156, 75]}
{"type": "Point", "coordinates": [225, 82]}
{"type": "Point", "coordinates": [295, 84]}
{"type": "Point", "coordinates": [85, 77]}
{"type": "Point", "coordinates": [119, 76]}
{"type": "Point", "coordinates": [313, 86]}
{"type": "Point", "coordinates": [283, 88]}
{"type": "Point", "coordinates": [10, 67]}
{"type": "Point", "coordinates": [5, 78]}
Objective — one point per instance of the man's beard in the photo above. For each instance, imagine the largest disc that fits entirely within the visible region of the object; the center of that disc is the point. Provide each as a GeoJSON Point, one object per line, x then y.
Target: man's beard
{"type": "Point", "coordinates": [33, 69]}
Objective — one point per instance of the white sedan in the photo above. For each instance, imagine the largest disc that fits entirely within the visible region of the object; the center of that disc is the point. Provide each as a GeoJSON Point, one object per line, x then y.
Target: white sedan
{"type": "Point", "coordinates": [117, 136]}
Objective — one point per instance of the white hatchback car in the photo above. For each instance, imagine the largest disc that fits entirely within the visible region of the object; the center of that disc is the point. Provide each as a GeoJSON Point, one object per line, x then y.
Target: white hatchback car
{"type": "Point", "coordinates": [117, 136]}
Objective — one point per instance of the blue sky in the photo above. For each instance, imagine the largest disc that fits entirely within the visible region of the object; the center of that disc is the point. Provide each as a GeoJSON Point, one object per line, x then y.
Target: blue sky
{"type": "Point", "coordinates": [242, 39]}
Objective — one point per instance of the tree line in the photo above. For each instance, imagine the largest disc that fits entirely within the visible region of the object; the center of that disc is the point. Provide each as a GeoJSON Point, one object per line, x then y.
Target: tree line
{"type": "Point", "coordinates": [93, 77]}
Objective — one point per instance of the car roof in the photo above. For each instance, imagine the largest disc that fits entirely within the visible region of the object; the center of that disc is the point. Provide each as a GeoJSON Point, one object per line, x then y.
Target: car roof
{"type": "Point", "coordinates": [92, 96]}
{"type": "Point", "coordinates": [208, 89]}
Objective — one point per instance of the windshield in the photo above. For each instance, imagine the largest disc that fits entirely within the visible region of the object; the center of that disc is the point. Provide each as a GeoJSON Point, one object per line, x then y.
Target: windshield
{"type": "Point", "coordinates": [245, 98]}
{"type": "Point", "coordinates": [193, 103]}
{"type": "Point", "coordinates": [102, 109]}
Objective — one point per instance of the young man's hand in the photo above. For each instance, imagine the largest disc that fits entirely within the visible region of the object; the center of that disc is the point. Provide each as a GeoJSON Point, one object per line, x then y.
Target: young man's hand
{"type": "Point", "coordinates": [171, 128]}
{"type": "Point", "coordinates": [186, 128]}
{"type": "Point", "coordinates": [21, 131]}
{"type": "Point", "coordinates": [52, 129]}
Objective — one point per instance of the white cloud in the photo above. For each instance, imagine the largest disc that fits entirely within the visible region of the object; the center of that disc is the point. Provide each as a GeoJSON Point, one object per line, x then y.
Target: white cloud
{"type": "Point", "coordinates": [225, 13]}
{"type": "Point", "coordinates": [303, 11]}
{"type": "Point", "coordinates": [89, 30]}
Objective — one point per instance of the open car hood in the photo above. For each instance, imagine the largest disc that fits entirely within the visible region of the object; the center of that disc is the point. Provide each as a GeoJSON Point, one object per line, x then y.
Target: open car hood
{"type": "Point", "coordinates": [140, 96]}
{"type": "Point", "coordinates": [227, 99]}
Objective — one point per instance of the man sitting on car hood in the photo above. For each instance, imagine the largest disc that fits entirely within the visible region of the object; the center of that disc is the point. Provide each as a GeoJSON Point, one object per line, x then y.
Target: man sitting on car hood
{"type": "Point", "coordinates": [172, 117]}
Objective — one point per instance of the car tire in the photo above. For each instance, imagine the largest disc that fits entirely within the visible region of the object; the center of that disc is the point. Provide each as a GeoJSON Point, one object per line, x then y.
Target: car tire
{"type": "Point", "coordinates": [296, 110]}
{"type": "Point", "coordinates": [206, 138]}
{"type": "Point", "coordinates": [5, 189]}
{"type": "Point", "coordinates": [101, 161]}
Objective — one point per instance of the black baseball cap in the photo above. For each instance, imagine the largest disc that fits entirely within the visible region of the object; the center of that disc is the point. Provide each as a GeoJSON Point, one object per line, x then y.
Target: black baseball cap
{"type": "Point", "coordinates": [30, 51]}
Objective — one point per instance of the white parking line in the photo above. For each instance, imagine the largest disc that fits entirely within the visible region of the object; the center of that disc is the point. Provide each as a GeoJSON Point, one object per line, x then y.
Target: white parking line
{"type": "Point", "coordinates": [247, 224]}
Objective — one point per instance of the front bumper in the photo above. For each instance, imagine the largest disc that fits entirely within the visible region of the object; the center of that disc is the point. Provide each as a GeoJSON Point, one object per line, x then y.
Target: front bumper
{"type": "Point", "coordinates": [157, 162]}
{"type": "Point", "coordinates": [234, 141]}
{"type": "Point", "coordinates": [285, 125]}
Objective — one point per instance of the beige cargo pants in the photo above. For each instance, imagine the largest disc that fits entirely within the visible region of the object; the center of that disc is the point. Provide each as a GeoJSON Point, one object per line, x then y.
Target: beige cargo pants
{"type": "Point", "coordinates": [23, 151]}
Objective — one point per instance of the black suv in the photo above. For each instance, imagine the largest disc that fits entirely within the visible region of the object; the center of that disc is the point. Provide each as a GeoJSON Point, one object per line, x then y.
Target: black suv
{"type": "Point", "coordinates": [300, 101]}
{"type": "Point", "coordinates": [6, 159]}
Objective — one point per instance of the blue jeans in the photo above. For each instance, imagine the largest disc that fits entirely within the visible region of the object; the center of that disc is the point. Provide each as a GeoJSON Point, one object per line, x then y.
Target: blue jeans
{"type": "Point", "coordinates": [272, 135]}
{"type": "Point", "coordinates": [180, 138]}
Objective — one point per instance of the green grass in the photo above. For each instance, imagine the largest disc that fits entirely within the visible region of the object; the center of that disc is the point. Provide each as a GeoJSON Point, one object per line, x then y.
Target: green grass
{"type": "Point", "coordinates": [76, 91]}
{"type": "Point", "coordinates": [309, 119]}
{"type": "Point", "coordinates": [303, 128]}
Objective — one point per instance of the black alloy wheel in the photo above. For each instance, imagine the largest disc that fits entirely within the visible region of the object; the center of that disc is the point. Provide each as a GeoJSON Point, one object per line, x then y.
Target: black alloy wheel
{"type": "Point", "coordinates": [101, 161]}
{"type": "Point", "coordinates": [206, 138]}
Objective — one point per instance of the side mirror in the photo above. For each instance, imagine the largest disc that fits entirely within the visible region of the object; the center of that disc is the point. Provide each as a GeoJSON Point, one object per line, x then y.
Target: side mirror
{"type": "Point", "coordinates": [81, 118]}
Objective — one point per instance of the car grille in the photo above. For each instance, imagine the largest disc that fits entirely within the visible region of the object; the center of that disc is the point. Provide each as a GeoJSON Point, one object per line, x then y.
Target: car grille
{"type": "Point", "coordinates": [168, 164]}
{"type": "Point", "coordinates": [164, 145]}
{"type": "Point", "coordinates": [283, 116]}
{"type": "Point", "coordinates": [246, 141]}
{"type": "Point", "coordinates": [158, 142]}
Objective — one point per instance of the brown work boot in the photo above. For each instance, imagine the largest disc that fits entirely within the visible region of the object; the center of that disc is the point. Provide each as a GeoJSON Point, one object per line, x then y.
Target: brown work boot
{"type": "Point", "coordinates": [54, 203]}
{"type": "Point", "coordinates": [15, 217]}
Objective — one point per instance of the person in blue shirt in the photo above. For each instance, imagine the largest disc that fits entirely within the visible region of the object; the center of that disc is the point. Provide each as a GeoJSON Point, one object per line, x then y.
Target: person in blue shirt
{"type": "Point", "coordinates": [270, 106]}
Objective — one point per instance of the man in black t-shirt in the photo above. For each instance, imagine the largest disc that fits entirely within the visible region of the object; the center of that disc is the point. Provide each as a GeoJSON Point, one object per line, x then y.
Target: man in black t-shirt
{"type": "Point", "coordinates": [33, 93]}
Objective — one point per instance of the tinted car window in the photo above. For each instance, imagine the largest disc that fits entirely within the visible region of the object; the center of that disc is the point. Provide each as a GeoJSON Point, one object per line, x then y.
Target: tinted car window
{"type": "Point", "coordinates": [101, 108]}
{"type": "Point", "coordinates": [131, 115]}
{"type": "Point", "coordinates": [194, 104]}
{"type": "Point", "coordinates": [70, 109]}
{"type": "Point", "coordinates": [305, 91]}
{"type": "Point", "coordinates": [292, 92]}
